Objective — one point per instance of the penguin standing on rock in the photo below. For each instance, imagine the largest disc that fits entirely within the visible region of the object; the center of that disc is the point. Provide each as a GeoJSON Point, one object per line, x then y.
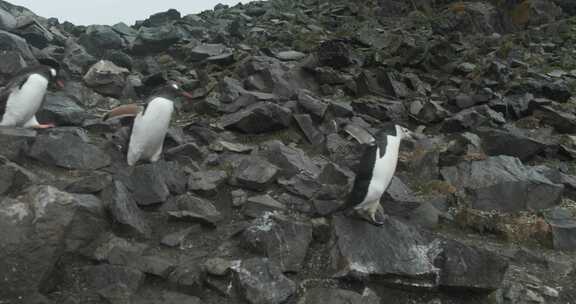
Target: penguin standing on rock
{"type": "Point", "coordinates": [374, 174]}
{"type": "Point", "coordinates": [23, 96]}
{"type": "Point", "coordinates": [148, 123]}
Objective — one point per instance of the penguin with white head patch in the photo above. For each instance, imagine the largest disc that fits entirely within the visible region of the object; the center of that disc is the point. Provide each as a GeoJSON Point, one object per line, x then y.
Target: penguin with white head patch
{"type": "Point", "coordinates": [148, 123]}
{"type": "Point", "coordinates": [374, 174]}
{"type": "Point", "coordinates": [23, 96]}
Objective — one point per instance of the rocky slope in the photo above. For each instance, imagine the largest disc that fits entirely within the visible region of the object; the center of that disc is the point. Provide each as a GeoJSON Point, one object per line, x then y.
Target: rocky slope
{"type": "Point", "coordinates": [482, 207]}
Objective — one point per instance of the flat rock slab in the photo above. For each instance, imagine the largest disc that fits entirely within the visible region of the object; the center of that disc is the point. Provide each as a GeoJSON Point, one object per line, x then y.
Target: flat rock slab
{"type": "Point", "coordinates": [68, 151]}
{"type": "Point", "coordinates": [188, 207]}
{"type": "Point", "coordinates": [281, 239]}
{"type": "Point", "coordinates": [503, 184]}
{"type": "Point", "coordinates": [262, 282]}
{"type": "Point", "coordinates": [254, 173]}
{"type": "Point", "coordinates": [394, 252]}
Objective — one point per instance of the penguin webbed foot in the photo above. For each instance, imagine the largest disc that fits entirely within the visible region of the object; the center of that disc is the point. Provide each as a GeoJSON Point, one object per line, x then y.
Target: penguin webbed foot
{"type": "Point", "coordinates": [44, 126]}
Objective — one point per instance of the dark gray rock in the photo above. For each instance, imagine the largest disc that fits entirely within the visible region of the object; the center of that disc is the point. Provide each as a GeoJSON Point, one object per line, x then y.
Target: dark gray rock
{"type": "Point", "coordinates": [258, 118]}
{"type": "Point", "coordinates": [320, 295]}
{"type": "Point", "coordinates": [174, 176]}
{"type": "Point", "coordinates": [334, 53]}
{"type": "Point", "coordinates": [290, 160]}
{"type": "Point", "coordinates": [558, 91]}
{"type": "Point", "coordinates": [68, 151]}
{"type": "Point", "coordinates": [481, 116]}
{"type": "Point", "coordinates": [204, 51]}
{"type": "Point", "coordinates": [61, 109]}
{"type": "Point", "coordinates": [396, 253]}
{"type": "Point", "coordinates": [283, 240]}
{"type": "Point", "coordinates": [207, 182]}
{"type": "Point", "coordinates": [186, 152]}
{"type": "Point", "coordinates": [302, 185]}
{"type": "Point", "coordinates": [311, 105]}
{"type": "Point", "coordinates": [102, 278]}
{"type": "Point", "coordinates": [563, 225]}
{"type": "Point", "coordinates": [257, 206]}
{"type": "Point", "coordinates": [155, 39]}
{"type": "Point", "coordinates": [110, 249]}
{"type": "Point", "coordinates": [7, 20]}
{"type": "Point", "coordinates": [262, 282]}
{"type": "Point", "coordinates": [11, 42]}
{"type": "Point", "coordinates": [76, 58]}
{"type": "Point", "coordinates": [511, 142]}
{"type": "Point", "coordinates": [270, 75]}
{"type": "Point", "coordinates": [306, 124]}
{"type": "Point", "coordinates": [562, 121]}
{"type": "Point", "coordinates": [100, 38]}
{"type": "Point", "coordinates": [148, 185]}
{"type": "Point", "coordinates": [177, 238]}
{"type": "Point", "coordinates": [161, 18]}
{"type": "Point", "coordinates": [166, 297]}
{"type": "Point", "coordinates": [90, 221]}
{"type": "Point", "coordinates": [503, 184]}
{"type": "Point", "coordinates": [33, 231]}
{"type": "Point", "coordinates": [473, 17]}
{"type": "Point", "coordinates": [125, 211]}
{"type": "Point", "coordinates": [106, 78]}
{"type": "Point", "coordinates": [15, 141]}
{"type": "Point", "coordinates": [428, 111]}
{"type": "Point", "coordinates": [14, 178]}
{"type": "Point", "coordinates": [191, 208]}
{"type": "Point", "coordinates": [470, 269]}
{"type": "Point", "coordinates": [254, 173]}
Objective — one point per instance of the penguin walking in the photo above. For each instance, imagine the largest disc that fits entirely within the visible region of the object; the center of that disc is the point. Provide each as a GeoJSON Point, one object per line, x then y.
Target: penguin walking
{"type": "Point", "coordinates": [148, 123]}
{"type": "Point", "coordinates": [374, 174]}
{"type": "Point", "coordinates": [23, 96]}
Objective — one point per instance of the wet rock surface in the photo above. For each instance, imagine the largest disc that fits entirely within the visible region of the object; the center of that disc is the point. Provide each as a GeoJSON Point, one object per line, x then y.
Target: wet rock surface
{"type": "Point", "coordinates": [481, 209]}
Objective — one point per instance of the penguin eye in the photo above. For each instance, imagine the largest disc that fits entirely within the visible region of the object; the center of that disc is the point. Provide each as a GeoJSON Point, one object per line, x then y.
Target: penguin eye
{"type": "Point", "coordinates": [53, 72]}
{"type": "Point", "coordinates": [175, 86]}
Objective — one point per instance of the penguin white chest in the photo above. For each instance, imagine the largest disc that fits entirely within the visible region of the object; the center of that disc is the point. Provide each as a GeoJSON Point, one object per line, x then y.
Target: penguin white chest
{"type": "Point", "coordinates": [149, 131]}
{"type": "Point", "coordinates": [384, 169]}
{"type": "Point", "coordinates": [25, 101]}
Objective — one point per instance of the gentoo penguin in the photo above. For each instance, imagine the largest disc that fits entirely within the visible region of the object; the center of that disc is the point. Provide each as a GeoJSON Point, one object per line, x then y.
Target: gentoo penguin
{"type": "Point", "coordinates": [374, 173]}
{"type": "Point", "coordinates": [23, 96]}
{"type": "Point", "coordinates": [149, 123]}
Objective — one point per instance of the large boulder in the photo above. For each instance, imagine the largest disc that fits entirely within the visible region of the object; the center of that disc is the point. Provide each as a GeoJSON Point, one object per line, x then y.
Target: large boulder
{"type": "Point", "coordinates": [69, 151]}
{"type": "Point", "coordinates": [155, 39]}
{"type": "Point", "coordinates": [98, 39]}
{"type": "Point", "coordinates": [106, 78]}
{"type": "Point", "coordinates": [33, 230]}
{"type": "Point", "coordinates": [504, 184]}
{"type": "Point", "coordinates": [397, 253]}
{"type": "Point", "coordinates": [258, 118]}
{"type": "Point", "coordinates": [11, 42]}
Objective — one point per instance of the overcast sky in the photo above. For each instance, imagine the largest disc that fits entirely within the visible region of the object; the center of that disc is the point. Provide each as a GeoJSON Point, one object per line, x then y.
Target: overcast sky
{"type": "Point", "coordinates": [85, 12]}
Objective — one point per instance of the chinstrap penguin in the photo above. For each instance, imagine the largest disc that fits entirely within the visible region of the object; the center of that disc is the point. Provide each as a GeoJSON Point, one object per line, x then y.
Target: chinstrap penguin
{"type": "Point", "coordinates": [374, 174]}
{"type": "Point", "coordinates": [148, 123]}
{"type": "Point", "coordinates": [23, 96]}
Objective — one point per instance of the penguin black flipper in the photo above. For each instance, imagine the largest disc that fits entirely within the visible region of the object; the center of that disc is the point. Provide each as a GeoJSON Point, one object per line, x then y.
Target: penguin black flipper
{"type": "Point", "coordinates": [362, 181]}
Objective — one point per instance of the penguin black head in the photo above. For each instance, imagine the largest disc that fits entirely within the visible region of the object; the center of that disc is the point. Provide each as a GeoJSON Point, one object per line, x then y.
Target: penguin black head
{"type": "Point", "coordinates": [394, 130]}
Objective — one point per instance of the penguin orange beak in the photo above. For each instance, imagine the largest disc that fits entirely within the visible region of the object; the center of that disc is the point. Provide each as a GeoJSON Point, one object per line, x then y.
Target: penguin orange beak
{"type": "Point", "coordinates": [187, 95]}
{"type": "Point", "coordinates": [60, 83]}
